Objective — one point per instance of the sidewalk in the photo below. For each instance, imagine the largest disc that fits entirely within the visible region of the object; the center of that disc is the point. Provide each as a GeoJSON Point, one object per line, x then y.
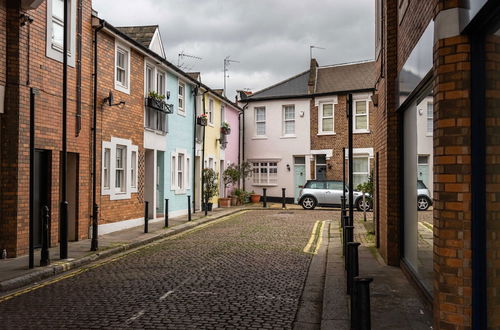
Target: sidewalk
{"type": "Point", "coordinates": [14, 272]}
{"type": "Point", "coordinates": [395, 304]}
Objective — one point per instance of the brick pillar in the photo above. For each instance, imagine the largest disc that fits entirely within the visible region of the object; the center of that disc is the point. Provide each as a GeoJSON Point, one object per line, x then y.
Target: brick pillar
{"type": "Point", "coordinates": [9, 122]}
{"type": "Point", "coordinates": [452, 184]}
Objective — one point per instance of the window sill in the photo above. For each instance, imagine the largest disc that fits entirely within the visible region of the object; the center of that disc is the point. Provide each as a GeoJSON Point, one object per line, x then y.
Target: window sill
{"type": "Point", "coordinates": [259, 138]}
{"type": "Point", "coordinates": [211, 124]}
{"type": "Point", "coordinates": [121, 88]}
{"type": "Point", "coordinates": [180, 192]}
{"type": "Point", "coordinates": [361, 132]}
{"type": "Point", "coordinates": [181, 113]}
{"type": "Point", "coordinates": [429, 135]}
{"type": "Point", "coordinates": [152, 130]}
{"type": "Point", "coordinates": [326, 133]}
{"type": "Point", "coordinates": [264, 185]}
{"type": "Point", "coordinates": [288, 137]}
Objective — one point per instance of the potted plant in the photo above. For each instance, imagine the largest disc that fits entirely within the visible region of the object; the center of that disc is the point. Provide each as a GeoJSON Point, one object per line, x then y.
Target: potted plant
{"type": "Point", "coordinates": [241, 195]}
{"type": "Point", "coordinates": [210, 188]}
{"type": "Point", "coordinates": [230, 176]}
{"type": "Point", "coordinates": [156, 101]}
{"type": "Point", "coordinates": [254, 198]}
{"type": "Point", "coordinates": [225, 128]}
{"type": "Point", "coordinates": [202, 119]}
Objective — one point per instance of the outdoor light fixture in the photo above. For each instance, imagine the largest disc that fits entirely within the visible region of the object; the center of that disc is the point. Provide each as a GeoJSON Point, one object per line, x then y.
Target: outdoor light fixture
{"type": "Point", "coordinates": [329, 166]}
{"type": "Point", "coordinates": [110, 99]}
{"type": "Point", "coordinates": [288, 167]}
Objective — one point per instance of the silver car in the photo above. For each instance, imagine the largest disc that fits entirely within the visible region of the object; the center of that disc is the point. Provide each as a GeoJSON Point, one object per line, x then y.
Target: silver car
{"type": "Point", "coordinates": [424, 200]}
{"type": "Point", "coordinates": [328, 193]}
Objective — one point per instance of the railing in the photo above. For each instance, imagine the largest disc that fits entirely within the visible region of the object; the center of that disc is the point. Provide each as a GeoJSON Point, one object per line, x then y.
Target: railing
{"type": "Point", "coordinates": [156, 114]}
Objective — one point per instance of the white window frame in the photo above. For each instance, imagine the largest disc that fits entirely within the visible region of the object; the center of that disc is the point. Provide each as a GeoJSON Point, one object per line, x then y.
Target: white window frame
{"type": "Point", "coordinates": [151, 117]}
{"type": "Point", "coordinates": [368, 165]}
{"type": "Point", "coordinates": [211, 114]}
{"type": "Point", "coordinates": [176, 172]}
{"type": "Point", "coordinates": [181, 98]}
{"type": "Point", "coordinates": [430, 106]}
{"type": "Point", "coordinates": [106, 166]}
{"type": "Point", "coordinates": [257, 179]}
{"type": "Point", "coordinates": [128, 188]}
{"type": "Point", "coordinates": [284, 120]}
{"type": "Point", "coordinates": [119, 86]}
{"type": "Point", "coordinates": [53, 51]}
{"type": "Point", "coordinates": [133, 169]}
{"type": "Point", "coordinates": [356, 115]}
{"type": "Point", "coordinates": [321, 117]}
{"type": "Point", "coordinates": [255, 109]}
{"type": "Point", "coordinates": [122, 188]}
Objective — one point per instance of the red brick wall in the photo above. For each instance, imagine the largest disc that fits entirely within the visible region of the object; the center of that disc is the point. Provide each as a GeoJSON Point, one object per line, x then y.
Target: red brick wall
{"type": "Point", "coordinates": [339, 140]}
{"type": "Point", "coordinates": [125, 122]}
{"type": "Point", "coordinates": [45, 74]}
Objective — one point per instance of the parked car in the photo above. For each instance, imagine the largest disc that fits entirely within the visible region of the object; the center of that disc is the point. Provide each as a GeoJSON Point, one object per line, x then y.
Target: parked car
{"type": "Point", "coordinates": [424, 200]}
{"type": "Point", "coordinates": [328, 193]}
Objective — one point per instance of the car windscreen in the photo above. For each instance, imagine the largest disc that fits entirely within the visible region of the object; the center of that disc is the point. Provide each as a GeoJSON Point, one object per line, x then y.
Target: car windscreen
{"type": "Point", "coordinates": [315, 185]}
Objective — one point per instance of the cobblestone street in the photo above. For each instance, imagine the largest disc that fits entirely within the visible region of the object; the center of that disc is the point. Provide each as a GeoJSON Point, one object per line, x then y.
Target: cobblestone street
{"type": "Point", "coordinates": [246, 271]}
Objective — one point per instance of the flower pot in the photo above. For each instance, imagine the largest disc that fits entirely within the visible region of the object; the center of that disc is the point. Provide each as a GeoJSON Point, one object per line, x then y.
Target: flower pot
{"type": "Point", "coordinates": [224, 202]}
{"type": "Point", "coordinates": [255, 198]}
{"type": "Point", "coordinates": [209, 206]}
{"type": "Point", "coordinates": [202, 121]}
{"type": "Point", "coordinates": [234, 200]}
{"type": "Point", "coordinates": [225, 130]}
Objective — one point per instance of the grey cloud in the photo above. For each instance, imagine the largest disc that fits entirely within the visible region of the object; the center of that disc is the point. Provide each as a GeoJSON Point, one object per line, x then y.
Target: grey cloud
{"type": "Point", "coordinates": [270, 38]}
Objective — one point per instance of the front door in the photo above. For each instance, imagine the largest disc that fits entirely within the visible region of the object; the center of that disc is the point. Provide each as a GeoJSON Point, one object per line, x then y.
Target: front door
{"type": "Point", "coordinates": [41, 192]}
{"type": "Point", "coordinates": [423, 169]}
{"type": "Point", "coordinates": [299, 178]}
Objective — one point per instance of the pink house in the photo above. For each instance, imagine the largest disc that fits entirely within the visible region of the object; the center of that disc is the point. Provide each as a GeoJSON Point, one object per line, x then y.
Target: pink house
{"type": "Point", "coordinates": [231, 152]}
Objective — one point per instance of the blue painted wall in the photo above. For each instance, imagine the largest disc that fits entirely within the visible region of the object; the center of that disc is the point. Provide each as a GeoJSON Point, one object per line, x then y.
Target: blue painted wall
{"type": "Point", "coordinates": [180, 136]}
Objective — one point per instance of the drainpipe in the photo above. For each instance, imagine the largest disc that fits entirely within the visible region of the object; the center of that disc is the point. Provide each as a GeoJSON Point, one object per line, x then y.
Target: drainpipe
{"type": "Point", "coordinates": [203, 155]}
{"type": "Point", "coordinates": [243, 139]}
{"type": "Point", "coordinates": [78, 125]}
{"type": "Point", "coordinates": [195, 93]}
{"type": "Point", "coordinates": [95, 208]}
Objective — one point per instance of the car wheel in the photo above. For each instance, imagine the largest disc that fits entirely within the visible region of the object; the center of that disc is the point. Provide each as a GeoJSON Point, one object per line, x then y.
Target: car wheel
{"type": "Point", "coordinates": [363, 206]}
{"type": "Point", "coordinates": [423, 203]}
{"type": "Point", "coordinates": [308, 203]}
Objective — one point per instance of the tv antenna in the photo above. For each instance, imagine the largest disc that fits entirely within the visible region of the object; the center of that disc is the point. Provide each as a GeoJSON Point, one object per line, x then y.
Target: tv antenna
{"type": "Point", "coordinates": [227, 63]}
{"type": "Point", "coordinates": [311, 51]}
{"type": "Point", "coordinates": [182, 56]}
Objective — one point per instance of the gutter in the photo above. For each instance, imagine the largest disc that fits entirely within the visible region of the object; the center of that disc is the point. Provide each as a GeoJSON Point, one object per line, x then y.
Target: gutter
{"type": "Point", "coordinates": [309, 96]}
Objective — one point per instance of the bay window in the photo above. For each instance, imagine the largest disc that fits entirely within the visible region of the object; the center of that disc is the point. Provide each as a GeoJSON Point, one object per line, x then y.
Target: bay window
{"type": "Point", "coordinates": [265, 173]}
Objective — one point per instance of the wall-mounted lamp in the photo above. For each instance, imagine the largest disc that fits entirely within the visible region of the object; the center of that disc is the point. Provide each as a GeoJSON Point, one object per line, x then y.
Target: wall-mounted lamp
{"type": "Point", "coordinates": [329, 166]}
{"type": "Point", "coordinates": [168, 95]}
{"type": "Point", "coordinates": [288, 167]}
{"type": "Point", "coordinates": [301, 113]}
{"type": "Point", "coordinates": [110, 100]}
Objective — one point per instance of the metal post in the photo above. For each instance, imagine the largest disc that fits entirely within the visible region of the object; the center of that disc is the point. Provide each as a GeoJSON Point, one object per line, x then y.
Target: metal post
{"type": "Point", "coordinates": [345, 222]}
{"type": "Point", "coordinates": [343, 174]}
{"type": "Point", "coordinates": [32, 180]}
{"type": "Point", "coordinates": [283, 198]}
{"type": "Point", "coordinates": [146, 205]}
{"type": "Point", "coordinates": [342, 207]}
{"type": "Point", "coordinates": [353, 264]}
{"type": "Point", "coordinates": [63, 221]}
{"type": "Point", "coordinates": [264, 197]}
{"type": "Point", "coordinates": [361, 314]}
{"type": "Point", "coordinates": [166, 212]}
{"type": "Point", "coordinates": [348, 237]}
{"type": "Point", "coordinates": [45, 257]}
{"type": "Point", "coordinates": [351, 183]}
{"type": "Point", "coordinates": [189, 208]}
{"type": "Point", "coordinates": [206, 206]}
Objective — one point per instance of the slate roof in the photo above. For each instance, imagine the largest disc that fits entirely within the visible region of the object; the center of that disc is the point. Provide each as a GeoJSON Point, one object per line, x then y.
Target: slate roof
{"type": "Point", "coordinates": [349, 77]}
{"type": "Point", "coordinates": [296, 85]}
{"type": "Point", "coordinates": [141, 34]}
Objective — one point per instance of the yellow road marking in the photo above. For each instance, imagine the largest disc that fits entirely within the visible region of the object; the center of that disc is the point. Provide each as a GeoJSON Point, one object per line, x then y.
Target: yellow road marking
{"type": "Point", "coordinates": [316, 236]}
{"type": "Point", "coordinates": [102, 263]}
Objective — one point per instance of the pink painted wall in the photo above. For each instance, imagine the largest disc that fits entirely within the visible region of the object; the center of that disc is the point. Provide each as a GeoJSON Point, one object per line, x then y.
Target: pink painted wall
{"type": "Point", "coordinates": [231, 152]}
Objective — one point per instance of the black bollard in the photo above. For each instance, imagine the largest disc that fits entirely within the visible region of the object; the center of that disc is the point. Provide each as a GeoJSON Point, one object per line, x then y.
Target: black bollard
{"type": "Point", "coordinates": [264, 197]}
{"type": "Point", "coordinates": [347, 239]}
{"type": "Point", "coordinates": [345, 222]}
{"type": "Point", "coordinates": [342, 206]}
{"type": "Point", "coordinates": [146, 204]}
{"type": "Point", "coordinates": [166, 212]}
{"type": "Point", "coordinates": [189, 208]}
{"type": "Point", "coordinates": [360, 311]}
{"type": "Point", "coordinates": [353, 264]}
{"type": "Point", "coordinates": [45, 257]}
{"type": "Point", "coordinates": [283, 198]}
{"type": "Point", "coordinates": [206, 206]}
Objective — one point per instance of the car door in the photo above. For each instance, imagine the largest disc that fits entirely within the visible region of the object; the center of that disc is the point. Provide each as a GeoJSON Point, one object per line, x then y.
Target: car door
{"type": "Point", "coordinates": [319, 189]}
{"type": "Point", "coordinates": [335, 192]}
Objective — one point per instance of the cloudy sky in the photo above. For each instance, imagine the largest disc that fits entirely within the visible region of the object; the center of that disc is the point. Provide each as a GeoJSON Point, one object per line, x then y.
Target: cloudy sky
{"type": "Point", "coordinates": [269, 38]}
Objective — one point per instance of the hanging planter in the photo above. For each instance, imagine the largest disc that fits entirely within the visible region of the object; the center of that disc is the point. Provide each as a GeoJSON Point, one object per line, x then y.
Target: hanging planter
{"type": "Point", "coordinates": [202, 120]}
{"type": "Point", "coordinates": [157, 101]}
{"type": "Point", "coordinates": [225, 128]}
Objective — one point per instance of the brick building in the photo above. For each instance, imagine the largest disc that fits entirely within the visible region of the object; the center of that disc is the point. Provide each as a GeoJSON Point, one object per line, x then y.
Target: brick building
{"type": "Point", "coordinates": [307, 143]}
{"type": "Point", "coordinates": [31, 57]}
{"type": "Point", "coordinates": [437, 63]}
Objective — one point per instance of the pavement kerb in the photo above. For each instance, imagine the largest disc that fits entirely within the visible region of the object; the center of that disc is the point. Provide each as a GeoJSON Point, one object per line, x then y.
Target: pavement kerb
{"type": "Point", "coordinates": [56, 269]}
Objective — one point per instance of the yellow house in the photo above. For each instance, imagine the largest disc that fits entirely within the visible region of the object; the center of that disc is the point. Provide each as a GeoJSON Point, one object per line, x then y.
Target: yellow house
{"type": "Point", "coordinates": [214, 155]}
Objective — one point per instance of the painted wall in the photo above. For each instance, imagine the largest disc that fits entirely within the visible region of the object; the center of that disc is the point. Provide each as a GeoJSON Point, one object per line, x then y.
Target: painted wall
{"type": "Point", "coordinates": [179, 139]}
{"type": "Point", "coordinates": [231, 151]}
{"type": "Point", "coordinates": [212, 134]}
{"type": "Point", "coordinates": [274, 146]}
